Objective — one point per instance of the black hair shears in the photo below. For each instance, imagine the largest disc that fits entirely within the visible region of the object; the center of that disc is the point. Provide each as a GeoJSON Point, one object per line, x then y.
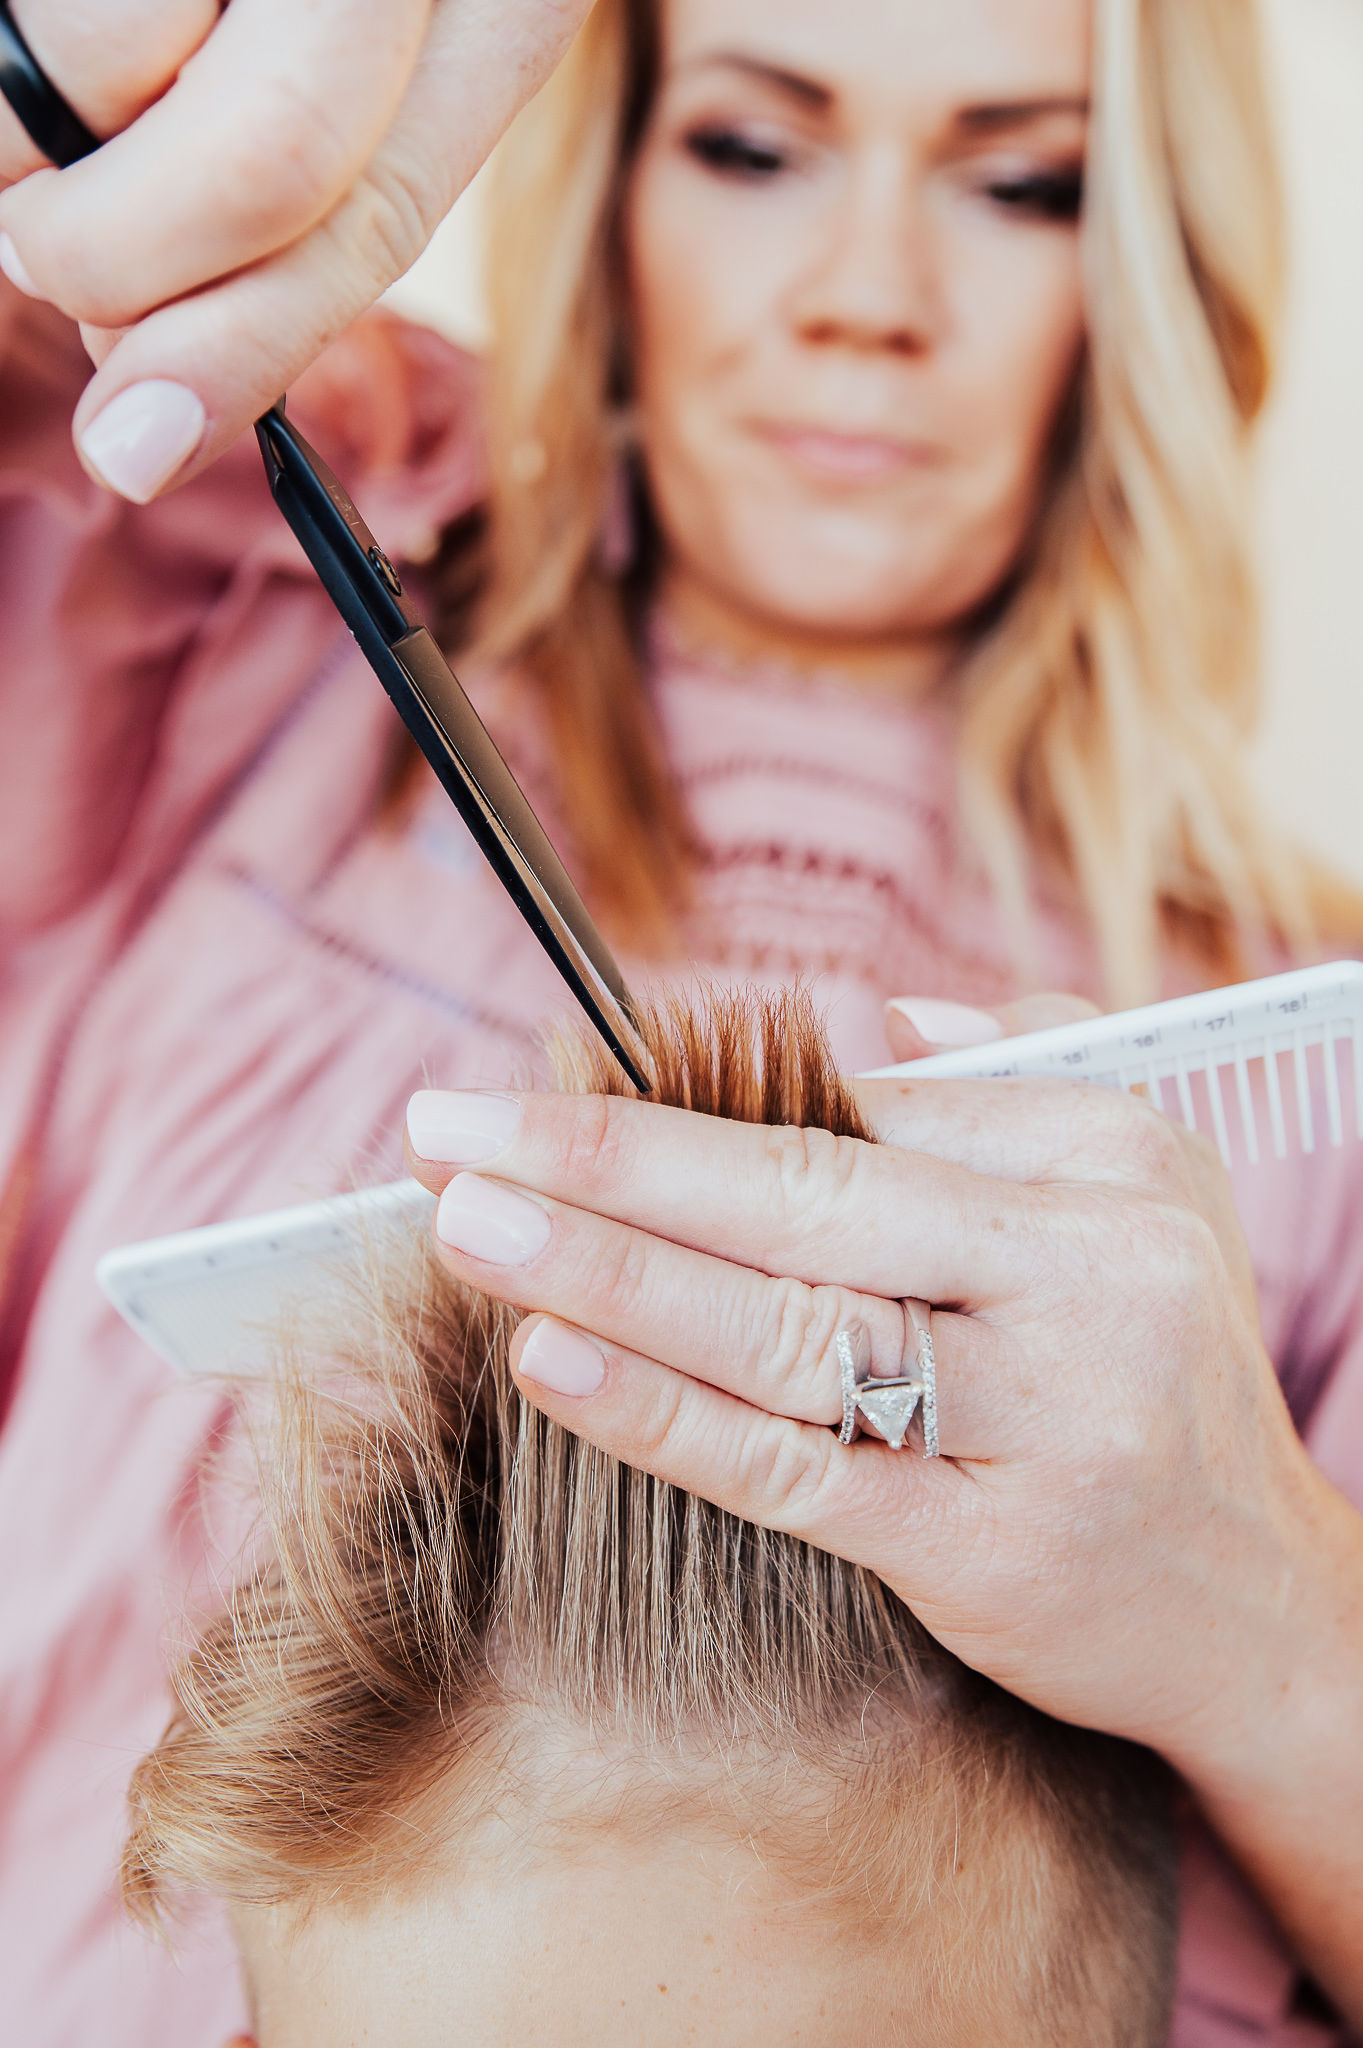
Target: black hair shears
{"type": "Point", "coordinates": [368, 593]}
{"type": "Point", "coordinates": [366, 590]}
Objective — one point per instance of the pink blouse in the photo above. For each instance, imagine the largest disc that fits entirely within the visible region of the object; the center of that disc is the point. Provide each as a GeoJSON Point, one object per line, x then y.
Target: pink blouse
{"type": "Point", "coordinates": [224, 968]}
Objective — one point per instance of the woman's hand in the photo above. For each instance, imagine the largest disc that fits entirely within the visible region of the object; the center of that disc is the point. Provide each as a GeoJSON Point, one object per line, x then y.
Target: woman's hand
{"type": "Point", "coordinates": [275, 165]}
{"type": "Point", "coordinates": [1124, 1526]}
{"type": "Point", "coordinates": [1116, 1450]}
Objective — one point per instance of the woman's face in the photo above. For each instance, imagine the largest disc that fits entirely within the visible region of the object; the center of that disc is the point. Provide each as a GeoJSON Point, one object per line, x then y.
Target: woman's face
{"type": "Point", "coordinates": [856, 300]}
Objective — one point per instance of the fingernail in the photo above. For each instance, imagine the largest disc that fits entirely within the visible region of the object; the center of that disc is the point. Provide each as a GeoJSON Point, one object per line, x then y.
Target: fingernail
{"type": "Point", "coordinates": [485, 1220]}
{"type": "Point", "coordinates": [562, 1360]}
{"type": "Point", "coordinates": [15, 269]}
{"type": "Point", "coordinates": [461, 1127]}
{"type": "Point", "coordinates": [947, 1023]}
{"type": "Point", "coordinates": [143, 436]}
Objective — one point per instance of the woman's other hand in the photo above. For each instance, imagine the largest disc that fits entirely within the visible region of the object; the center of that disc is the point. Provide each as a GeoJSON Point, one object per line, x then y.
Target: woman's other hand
{"type": "Point", "coordinates": [274, 166]}
{"type": "Point", "coordinates": [1115, 1440]}
{"type": "Point", "coordinates": [1124, 1526]}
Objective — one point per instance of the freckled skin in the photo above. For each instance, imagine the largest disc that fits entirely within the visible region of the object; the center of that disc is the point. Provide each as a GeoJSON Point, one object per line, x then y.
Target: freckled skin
{"type": "Point", "coordinates": [516, 1954]}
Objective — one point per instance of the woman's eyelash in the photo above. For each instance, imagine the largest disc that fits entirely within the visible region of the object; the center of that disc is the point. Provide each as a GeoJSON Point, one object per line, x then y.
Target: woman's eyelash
{"type": "Point", "coordinates": [730, 151]}
{"type": "Point", "coordinates": [1046, 195]}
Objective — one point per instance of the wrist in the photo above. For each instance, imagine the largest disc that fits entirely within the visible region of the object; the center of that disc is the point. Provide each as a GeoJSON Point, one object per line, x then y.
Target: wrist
{"type": "Point", "coordinates": [1284, 1663]}
{"type": "Point", "coordinates": [1278, 1777]}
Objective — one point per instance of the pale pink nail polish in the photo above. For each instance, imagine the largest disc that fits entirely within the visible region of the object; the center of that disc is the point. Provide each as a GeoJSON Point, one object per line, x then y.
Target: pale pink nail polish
{"type": "Point", "coordinates": [562, 1360]}
{"type": "Point", "coordinates": [948, 1023]}
{"type": "Point", "coordinates": [15, 269]}
{"type": "Point", "coordinates": [485, 1220]}
{"type": "Point", "coordinates": [143, 436]}
{"type": "Point", "coordinates": [461, 1127]}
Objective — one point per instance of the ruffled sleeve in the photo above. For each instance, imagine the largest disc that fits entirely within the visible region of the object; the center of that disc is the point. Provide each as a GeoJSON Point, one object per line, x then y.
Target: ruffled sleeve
{"type": "Point", "coordinates": [115, 739]}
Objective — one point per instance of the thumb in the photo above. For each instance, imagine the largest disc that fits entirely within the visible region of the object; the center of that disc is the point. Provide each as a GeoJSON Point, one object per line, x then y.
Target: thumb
{"type": "Point", "coordinates": [918, 1025]}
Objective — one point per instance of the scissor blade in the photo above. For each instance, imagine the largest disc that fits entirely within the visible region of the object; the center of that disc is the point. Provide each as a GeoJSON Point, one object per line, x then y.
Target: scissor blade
{"type": "Point", "coordinates": [497, 812]}
{"type": "Point", "coordinates": [432, 704]}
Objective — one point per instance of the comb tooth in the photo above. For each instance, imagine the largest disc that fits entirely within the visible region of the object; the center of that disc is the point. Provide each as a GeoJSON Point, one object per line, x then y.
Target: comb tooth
{"type": "Point", "coordinates": [1218, 1111]}
{"type": "Point", "coordinates": [1185, 1093]}
{"type": "Point", "coordinates": [1157, 1093]}
{"type": "Point", "coordinates": [1245, 1096]}
{"type": "Point", "coordinates": [1275, 1099]}
{"type": "Point", "coordinates": [1306, 1121]}
{"type": "Point", "coordinates": [1333, 1111]}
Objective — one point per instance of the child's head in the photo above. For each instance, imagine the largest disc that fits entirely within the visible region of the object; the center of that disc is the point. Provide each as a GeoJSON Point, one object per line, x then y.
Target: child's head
{"type": "Point", "coordinates": [504, 1742]}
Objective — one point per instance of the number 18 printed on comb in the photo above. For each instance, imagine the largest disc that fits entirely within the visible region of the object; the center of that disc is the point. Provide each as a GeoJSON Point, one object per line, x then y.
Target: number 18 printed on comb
{"type": "Point", "coordinates": [1262, 1040]}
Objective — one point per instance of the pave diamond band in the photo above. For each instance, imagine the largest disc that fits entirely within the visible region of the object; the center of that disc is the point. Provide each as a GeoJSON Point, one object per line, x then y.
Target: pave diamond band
{"type": "Point", "coordinates": [889, 1406]}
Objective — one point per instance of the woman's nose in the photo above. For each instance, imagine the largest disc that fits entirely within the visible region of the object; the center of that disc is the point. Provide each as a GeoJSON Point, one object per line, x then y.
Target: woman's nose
{"type": "Point", "coordinates": [875, 280]}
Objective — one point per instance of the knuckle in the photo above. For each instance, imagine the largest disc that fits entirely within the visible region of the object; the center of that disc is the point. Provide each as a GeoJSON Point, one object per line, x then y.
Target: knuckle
{"type": "Point", "coordinates": [1147, 1146]}
{"type": "Point", "coordinates": [619, 1277]}
{"type": "Point", "coordinates": [784, 1475]}
{"type": "Point", "coordinates": [796, 1364]}
{"type": "Point", "coordinates": [1188, 1258]}
{"type": "Point", "coordinates": [655, 1431]}
{"type": "Point", "coordinates": [291, 130]}
{"type": "Point", "coordinates": [814, 1169]}
{"type": "Point", "coordinates": [591, 1144]}
{"type": "Point", "coordinates": [397, 211]}
{"type": "Point", "coordinates": [1158, 1256]}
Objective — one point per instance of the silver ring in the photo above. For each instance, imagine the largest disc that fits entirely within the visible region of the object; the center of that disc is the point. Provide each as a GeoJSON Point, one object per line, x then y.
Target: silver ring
{"type": "Point", "coordinates": [889, 1406]}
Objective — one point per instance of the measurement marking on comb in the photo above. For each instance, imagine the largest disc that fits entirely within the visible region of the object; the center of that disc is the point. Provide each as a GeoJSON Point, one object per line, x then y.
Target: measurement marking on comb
{"type": "Point", "coordinates": [1245, 1097]}
{"type": "Point", "coordinates": [1218, 1111]}
{"type": "Point", "coordinates": [1306, 1122]}
{"type": "Point", "coordinates": [1333, 1111]}
{"type": "Point", "coordinates": [1277, 1121]}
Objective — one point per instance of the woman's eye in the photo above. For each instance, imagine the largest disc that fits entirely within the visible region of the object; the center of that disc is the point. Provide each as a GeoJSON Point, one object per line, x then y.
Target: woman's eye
{"type": "Point", "coordinates": [1045, 195]}
{"type": "Point", "coordinates": [734, 154]}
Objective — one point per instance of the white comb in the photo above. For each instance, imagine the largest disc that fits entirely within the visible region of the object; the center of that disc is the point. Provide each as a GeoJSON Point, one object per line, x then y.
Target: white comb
{"type": "Point", "coordinates": [207, 1300]}
{"type": "Point", "coordinates": [1233, 1041]}
{"type": "Point", "coordinates": [216, 1299]}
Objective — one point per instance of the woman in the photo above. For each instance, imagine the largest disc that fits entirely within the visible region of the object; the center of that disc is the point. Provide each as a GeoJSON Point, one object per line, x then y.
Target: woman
{"type": "Point", "coordinates": [884, 490]}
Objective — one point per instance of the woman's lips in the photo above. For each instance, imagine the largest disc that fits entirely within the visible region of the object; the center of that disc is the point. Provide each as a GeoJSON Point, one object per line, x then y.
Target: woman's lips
{"type": "Point", "coordinates": [854, 458]}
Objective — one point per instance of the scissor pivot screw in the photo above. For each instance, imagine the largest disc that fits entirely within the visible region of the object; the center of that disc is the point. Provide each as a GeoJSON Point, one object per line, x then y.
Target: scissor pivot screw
{"type": "Point", "coordinates": [386, 570]}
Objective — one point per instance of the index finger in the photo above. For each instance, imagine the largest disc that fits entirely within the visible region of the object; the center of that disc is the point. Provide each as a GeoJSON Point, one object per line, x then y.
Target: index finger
{"type": "Point", "coordinates": [788, 1201]}
{"type": "Point", "coordinates": [262, 132]}
{"type": "Point", "coordinates": [111, 61]}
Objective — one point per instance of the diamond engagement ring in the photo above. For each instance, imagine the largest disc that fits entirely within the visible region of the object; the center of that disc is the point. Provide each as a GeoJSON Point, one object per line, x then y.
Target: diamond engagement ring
{"type": "Point", "coordinates": [889, 1406]}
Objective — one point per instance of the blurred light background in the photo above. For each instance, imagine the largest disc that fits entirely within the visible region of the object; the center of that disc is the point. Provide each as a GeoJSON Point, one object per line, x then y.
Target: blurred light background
{"type": "Point", "coordinates": [1311, 463]}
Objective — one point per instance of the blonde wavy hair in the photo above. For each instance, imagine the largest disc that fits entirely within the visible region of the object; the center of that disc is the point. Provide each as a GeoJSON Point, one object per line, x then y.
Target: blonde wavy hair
{"type": "Point", "coordinates": [1106, 707]}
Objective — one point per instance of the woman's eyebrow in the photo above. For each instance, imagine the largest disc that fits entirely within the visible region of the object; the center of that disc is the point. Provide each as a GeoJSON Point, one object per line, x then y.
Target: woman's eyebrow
{"type": "Point", "coordinates": [985, 119]}
{"type": "Point", "coordinates": [807, 90]}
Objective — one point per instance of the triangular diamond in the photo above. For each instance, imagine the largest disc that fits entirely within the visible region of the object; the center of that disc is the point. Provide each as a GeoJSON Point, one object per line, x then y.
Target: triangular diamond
{"type": "Point", "coordinates": [891, 1408]}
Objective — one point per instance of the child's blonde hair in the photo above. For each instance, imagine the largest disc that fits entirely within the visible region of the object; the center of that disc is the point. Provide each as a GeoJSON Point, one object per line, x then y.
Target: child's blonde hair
{"type": "Point", "coordinates": [451, 1581]}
